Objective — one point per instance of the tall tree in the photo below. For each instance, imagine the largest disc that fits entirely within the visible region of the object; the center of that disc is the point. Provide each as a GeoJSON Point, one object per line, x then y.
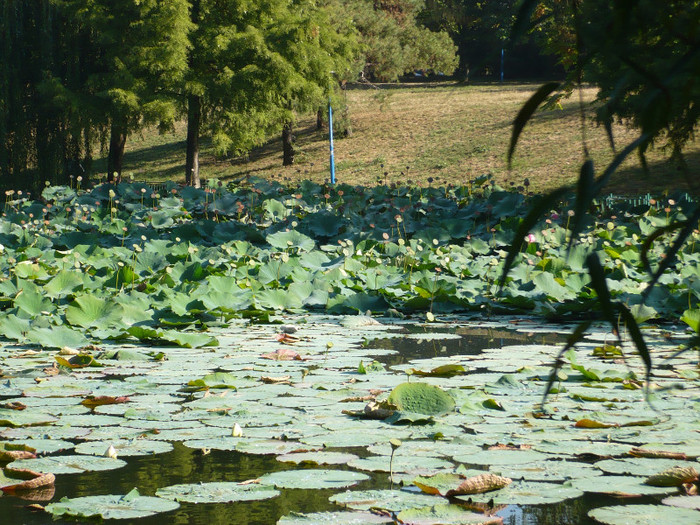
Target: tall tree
{"type": "Point", "coordinates": [140, 54]}
{"type": "Point", "coordinates": [251, 65]}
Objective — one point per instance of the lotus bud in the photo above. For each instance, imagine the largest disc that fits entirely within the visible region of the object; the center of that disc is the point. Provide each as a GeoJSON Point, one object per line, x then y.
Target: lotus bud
{"type": "Point", "coordinates": [237, 430]}
{"type": "Point", "coordinates": [111, 452]}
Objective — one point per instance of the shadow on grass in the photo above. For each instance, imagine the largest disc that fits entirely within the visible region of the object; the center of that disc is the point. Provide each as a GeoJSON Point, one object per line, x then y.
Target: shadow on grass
{"type": "Point", "coordinates": [663, 176]}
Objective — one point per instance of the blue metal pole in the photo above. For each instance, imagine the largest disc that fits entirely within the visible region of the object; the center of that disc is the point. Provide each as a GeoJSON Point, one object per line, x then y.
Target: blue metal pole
{"type": "Point", "coordinates": [502, 61]}
{"type": "Point", "coordinates": [330, 134]}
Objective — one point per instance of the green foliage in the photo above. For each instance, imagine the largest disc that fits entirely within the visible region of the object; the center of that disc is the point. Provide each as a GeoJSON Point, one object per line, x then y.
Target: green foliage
{"type": "Point", "coordinates": [394, 42]}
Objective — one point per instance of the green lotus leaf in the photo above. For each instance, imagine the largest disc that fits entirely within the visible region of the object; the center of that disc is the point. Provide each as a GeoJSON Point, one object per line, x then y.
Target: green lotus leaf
{"type": "Point", "coordinates": [65, 282]}
{"type": "Point", "coordinates": [317, 458]}
{"type": "Point", "coordinates": [217, 492]}
{"type": "Point", "coordinates": [500, 457]}
{"type": "Point", "coordinates": [334, 518]}
{"type": "Point", "coordinates": [124, 447]}
{"type": "Point", "coordinates": [189, 339]}
{"type": "Point", "coordinates": [528, 493]}
{"type": "Point", "coordinates": [445, 514]}
{"type": "Point", "coordinates": [73, 464]}
{"type": "Point", "coordinates": [644, 515]}
{"type": "Point", "coordinates": [24, 418]}
{"type": "Point", "coordinates": [401, 463]}
{"type": "Point", "coordinates": [639, 466]}
{"type": "Point", "coordinates": [622, 486]}
{"type": "Point", "coordinates": [31, 301]}
{"type": "Point", "coordinates": [13, 327]}
{"type": "Point", "coordinates": [421, 398]}
{"type": "Point", "coordinates": [129, 506]}
{"type": "Point", "coordinates": [388, 500]}
{"type": "Point", "coordinates": [691, 317]}
{"type": "Point", "coordinates": [292, 239]}
{"type": "Point", "coordinates": [57, 337]}
{"type": "Point", "coordinates": [549, 470]}
{"type": "Point", "coordinates": [686, 502]}
{"type": "Point", "coordinates": [313, 479]}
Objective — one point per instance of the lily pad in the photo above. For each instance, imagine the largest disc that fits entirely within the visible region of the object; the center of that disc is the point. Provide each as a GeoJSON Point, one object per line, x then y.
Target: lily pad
{"type": "Point", "coordinates": [73, 464]}
{"type": "Point", "coordinates": [313, 479]}
{"type": "Point", "coordinates": [317, 458]}
{"type": "Point", "coordinates": [528, 493]}
{"type": "Point", "coordinates": [638, 466]}
{"type": "Point", "coordinates": [217, 492]}
{"type": "Point", "coordinates": [686, 502]}
{"type": "Point", "coordinates": [128, 506]}
{"type": "Point", "coordinates": [645, 515]}
{"type": "Point", "coordinates": [124, 447]}
{"type": "Point", "coordinates": [421, 398]}
{"type": "Point", "coordinates": [625, 486]}
{"type": "Point", "coordinates": [389, 500]}
{"type": "Point", "coordinates": [334, 518]}
{"type": "Point", "coordinates": [445, 514]}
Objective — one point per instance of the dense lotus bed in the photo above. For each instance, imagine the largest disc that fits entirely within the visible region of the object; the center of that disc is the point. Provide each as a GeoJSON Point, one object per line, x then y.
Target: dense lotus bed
{"type": "Point", "coordinates": [304, 397]}
{"type": "Point", "coordinates": [138, 324]}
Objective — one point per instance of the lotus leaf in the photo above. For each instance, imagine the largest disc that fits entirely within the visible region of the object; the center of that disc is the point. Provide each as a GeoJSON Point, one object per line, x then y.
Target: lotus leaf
{"type": "Point", "coordinates": [624, 486]}
{"type": "Point", "coordinates": [645, 515]}
{"type": "Point", "coordinates": [68, 464]}
{"type": "Point", "coordinates": [421, 398]}
{"type": "Point", "coordinates": [445, 514]}
{"type": "Point", "coordinates": [334, 518]}
{"type": "Point", "coordinates": [528, 493]}
{"type": "Point", "coordinates": [686, 502]}
{"type": "Point", "coordinates": [217, 492]}
{"type": "Point", "coordinates": [128, 506]}
{"type": "Point", "coordinates": [313, 479]}
{"type": "Point", "coordinates": [388, 500]}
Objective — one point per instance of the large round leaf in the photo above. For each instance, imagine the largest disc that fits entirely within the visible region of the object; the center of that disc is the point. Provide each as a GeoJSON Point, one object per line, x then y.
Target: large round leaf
{"type": "Point", "coordinates": [645, 515]}
{"type": "Point", "coordinates": [313, 479]}
{"type": "Point", "coordinates": [217, 492]}
{"type": "Point", "coordinates": [421, 398]}
{"type": "Point", "coordinates": [128, 506]}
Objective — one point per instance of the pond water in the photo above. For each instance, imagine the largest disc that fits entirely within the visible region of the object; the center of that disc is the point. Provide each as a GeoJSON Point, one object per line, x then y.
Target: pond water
{"type": "Point", "coordinates": [299, 402]}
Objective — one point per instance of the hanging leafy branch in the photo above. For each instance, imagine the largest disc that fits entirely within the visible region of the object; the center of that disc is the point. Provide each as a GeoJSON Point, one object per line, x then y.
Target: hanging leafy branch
{"type": "Point", "coordinates": [643, 56]}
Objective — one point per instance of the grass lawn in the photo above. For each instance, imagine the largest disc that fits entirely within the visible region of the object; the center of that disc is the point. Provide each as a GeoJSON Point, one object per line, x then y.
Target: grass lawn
{"type": "Point", "coordinates": [448, 132]}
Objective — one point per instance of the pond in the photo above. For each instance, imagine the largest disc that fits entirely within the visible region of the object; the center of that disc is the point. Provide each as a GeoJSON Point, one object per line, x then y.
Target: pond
{"type": "Point", "coordinates": [295, 392]}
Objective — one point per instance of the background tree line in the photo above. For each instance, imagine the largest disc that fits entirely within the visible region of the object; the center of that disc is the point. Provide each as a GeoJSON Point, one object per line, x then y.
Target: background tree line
{"type": "Point", "coordinates": [80, 76]}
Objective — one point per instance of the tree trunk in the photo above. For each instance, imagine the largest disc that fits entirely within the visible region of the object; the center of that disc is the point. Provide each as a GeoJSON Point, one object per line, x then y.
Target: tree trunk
{"type": "Point", "coordinates": [115, 157]}
{"type": "Point", "coordinates": [287, 144]}
{"type": "Point", "coordinates": [194, 119]}
{"type": "Point", "coordinates": [319, 119]}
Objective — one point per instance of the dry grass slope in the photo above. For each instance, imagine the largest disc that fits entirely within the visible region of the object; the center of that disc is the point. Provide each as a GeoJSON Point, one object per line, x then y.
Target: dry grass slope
{"type": "Point", "coordinates": [429, 133]}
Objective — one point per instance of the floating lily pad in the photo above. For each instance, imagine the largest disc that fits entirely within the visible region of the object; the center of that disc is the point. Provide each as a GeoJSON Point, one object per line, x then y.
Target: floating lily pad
{"type": "Point", "coordinates": [528, 493]}
{"type": "Point", "coordinates": [389, 500]}
{"type": "Point", "coordinates": [24, 418]}
{"type": "Point", "coordinates": [131, 447]}
{"type": "Point", "coordinates": [74, 464]}
{"type": "Point", "coordinates": [217, 492]}
{"type": "Point", "coordinates": [686, 502]}
{"type": "Point", "coordinates": [334, 518]}
{"type": "Point", "coordinates": [421, 398]}
{"type": "Point", "coordinates": [639, 466]}
{"type": "Point", "coordinates": [645, 515]}
{"type": "Point", "coordinates": [313, 479]}
{"type": "Point", "coordinates": [317, 458]}
{"type": "Point", "coordinates": [619, 486]}
{"type": "Point", "coordinates": [401, 463]}
{"type": "Point", "coordinates": [128, 506]}
{"type": "Point", "coordinates": [445, 514]}
{"type": "Point", "coordinates": [549, 471]}
{"type": "Point", "coordinates": [501, 457]}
